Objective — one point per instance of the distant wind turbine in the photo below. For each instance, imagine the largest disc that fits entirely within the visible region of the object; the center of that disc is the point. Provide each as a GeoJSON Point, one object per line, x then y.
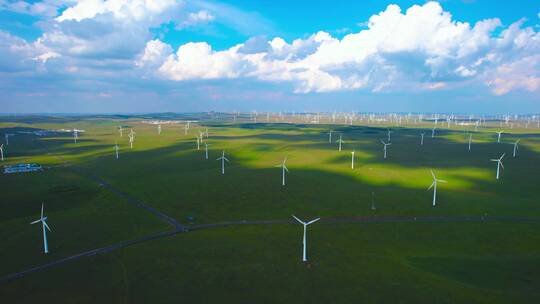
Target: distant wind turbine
{"type": "Point", "coordinates": [159, 129]}
{"type": "Point", "coordinates": [422, 139]}
{"type": "Point", "coordinates": [206, 150]}
{"type": "Point", "coordinates": [2, 151]}
{"type": "Point", "coordinates": [121, 131]}
{"type": "Point", "coordinates": [283, 169]}
{"type": "Point", "coordinates": [340, 141]}
{"type": "Point", "coordinates": [330, 136]}
{"type": "Point", "coordinates": [385, 145]}
{"type": "Point", "coordinates": [43, 221]}
{"type": "Point", "coordinates": [499, 136]}
{"type": "Point", "coordinates": [433, 132]}
{"type": "Point", "coordinates": [75, 135]}
{"type": "Point", "coordinates": [470, 141]}
{"type": "Point", "coordinates": [515, 148]}
{"type": "Point", "coordinates": [434, 186]}
{"type": "Point", "coordinates": [352, 159]}
{"type": "Point", "coordinates": [304, 242]}
{"type": "Point", "coordinates": [499, 164]}
{"type": "Point", "coordinates": [223, 160]}
{"type": "Point", "coordinates": [388, 134]}
{"type": "Point", "coordinates": [131, 136]}
{"type": "Point", "coordinates": [116, 148]}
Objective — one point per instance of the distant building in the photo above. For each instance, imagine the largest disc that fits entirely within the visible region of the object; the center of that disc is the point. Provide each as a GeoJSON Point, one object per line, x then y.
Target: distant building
{"type": "Point", "coordinates": [19, 168]}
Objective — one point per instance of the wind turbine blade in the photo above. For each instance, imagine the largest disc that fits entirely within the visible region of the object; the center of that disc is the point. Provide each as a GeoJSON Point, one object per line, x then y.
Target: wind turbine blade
{"type": "Point", "coordinates": [502, 156]}
{"type": "Point", "coordinates": [442, 181]}
{"type": "Point", "coordinates": [45, 224]}
{"type": "Point", "coordinates": [433, 174]}
{"type": "Point", "coordinates": [42, 207]}
{"type": "Point", "coordinates": [431, 186]}
{"type": "Point", "coordinates": [500, 163]}
{"type": "Point", "coordinates": [225, 159]}
{"type": "Point", "coordinates": [285, 167]}
{"type": "Point", "coordinates": [298, 220]}
{"type": "Point", "coordinates": [494, 160]}
{"type": "Point", "coordinates": [313, 221]}
{"type": "Point", "coordinates": [35, 222]}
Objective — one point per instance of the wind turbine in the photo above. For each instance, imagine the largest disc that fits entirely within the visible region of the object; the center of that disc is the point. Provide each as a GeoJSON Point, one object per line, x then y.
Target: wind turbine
{"type": "Point", "coordinates": [434, 186]}
{"type": "Point", "coordinates": [131, 136]}
{"type": "Point", "coordinates": [186, 128]}
{"type": "Point", "coordinates": [116, 148]}
{"type": "Point", "coordinates": [198, 143]}
{"type": "Point", "coordinates": [499, 163]}
{"type": "Point", "coordinates": [44, 225]}
{"type": "Point", "coordinates": [223, 160]}
{"type": "Point", "coordinates": [159, 129]}
{"type": "Point", "coordinates": [206, 150]}
{"type": "Point", "coordinates": [385, 144]}
{"type": "Point", "coordinates": [121, 131]}
{"type": "Point", "coordinates": [515, 148]}
{"type": "Point", "coordinates": [433, 132]}
{"type": "Point", "coordinates": [388, 134]}
{"type": "Point", "coordinates": [422, 139]}
{"type": "Point", "coordinates": [6, 136]}
{"type": "Point", "coordinates": [352, 159]}
{"type": "Point", "coordinates": [470, 141]}
{"type": "Point", "coordinates": [75, 135]}
{"type": "Point", "coordinates": [340, 141]}
{"type": "Point", "coordinates": [330, 136]}
{"type": "Point", "coordinates": [2, 151]}
{"type": "Point", "coordinates": [499, 136]}
{"type": "Point", "coordinates": [304, 242]}
{"type": "Point", "coordinates": [283, 169]}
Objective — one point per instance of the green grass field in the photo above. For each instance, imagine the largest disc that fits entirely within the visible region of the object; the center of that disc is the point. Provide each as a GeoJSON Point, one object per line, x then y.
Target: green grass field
{"type": "Point", "coordinates": [405, 262]}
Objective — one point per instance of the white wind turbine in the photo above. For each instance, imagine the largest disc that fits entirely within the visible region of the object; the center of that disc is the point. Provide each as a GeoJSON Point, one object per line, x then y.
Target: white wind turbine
{"type": "Point", "coordinates": [206, 150]}
{"type": "Point", "coordinates": [434, 186]}
{"type": "Point", "coordinates": [330, 136]}
{"type": "Point", "coordinates": [433, 131]}
{"type": "Point", "coordinates": [283, 169]}
{"type": "Point", "coordinates": [2, 151]}
{"type": "Point", "coordinates": [116, 149]}
{"type": "Point", "coordinates": [422, 138]}
{"type": "Point", "coordinates": [352, 159]}
{"type": "Point", "coordinates": [186, 128]}
{"type": "Point", "coordinates": [470, 141]}
{"type": "Point", "coordinates": [515, 148]}
{"type": "Point", "coordinates": [121, 131]}
{"type": "Point", "coordinates": [499, 164]}
{"type": "Point", "coordinates": [75, 135]}
{"type": "Point", "coordinates": [43, 221]}
{"type": "Point", "coordinates": [159, 129]}
{"type": "Point", "coordinates": [499, 136]}
{"type": "Point", "coordinates": [6, 136]}
{"type": "Point", "coordinates": [385, 145]}
{"type": "Point", "coordinates": [388, 133]}
{"type": "Point", "coordinates": [131, 136]}
{"type": "Point", "coordinates": [340, 141]}
{"type": "Point", "coordinates": [223, 160]}
{"type": "Point", "coordinates": [304, 242]}
{"type": "Point", "coordinates": [198, 143]}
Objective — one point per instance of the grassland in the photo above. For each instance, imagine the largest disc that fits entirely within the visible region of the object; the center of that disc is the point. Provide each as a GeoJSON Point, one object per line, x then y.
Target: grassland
{"type": "Point", "coordinates": [476, 262]}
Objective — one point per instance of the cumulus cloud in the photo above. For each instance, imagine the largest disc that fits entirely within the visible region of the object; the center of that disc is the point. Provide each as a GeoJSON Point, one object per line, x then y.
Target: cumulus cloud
{"type": "Point", "coordinates": [47, 8]}
{"type": "Point", "coordinates": [422, 47]}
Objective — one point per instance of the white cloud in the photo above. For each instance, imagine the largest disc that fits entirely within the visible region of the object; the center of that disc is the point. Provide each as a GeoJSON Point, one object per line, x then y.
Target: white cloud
{"type": "Point", "coordinates": [132, 10]}
{"type": "Point", "coordinates": [154, 53]}
{"type": "Point", "coordinates": [47, 8]}
{"type": "Point", "coordinates": [420, 48]}
{"type": "Point", "coordinates": [196, 18]}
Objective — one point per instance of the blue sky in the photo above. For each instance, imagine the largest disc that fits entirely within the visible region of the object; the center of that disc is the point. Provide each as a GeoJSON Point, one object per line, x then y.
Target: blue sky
{"type": "Point", "coordinates": [461, 56]}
